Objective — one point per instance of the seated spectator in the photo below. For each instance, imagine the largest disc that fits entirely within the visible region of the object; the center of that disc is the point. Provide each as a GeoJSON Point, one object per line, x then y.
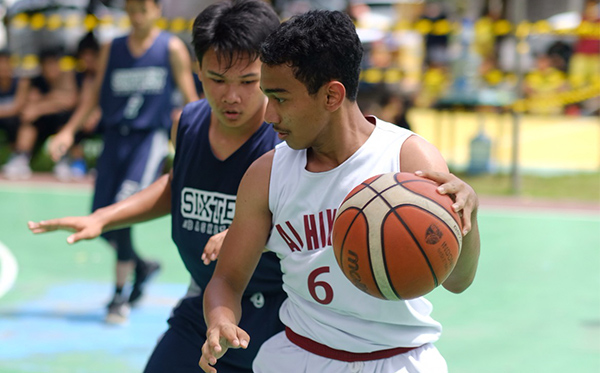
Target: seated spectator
{"type": "Point", "coordinates": [584, 66]}
{"type": "Point", "coordinates": [50, 101]}
{"type": "Point", "coordinates": [542, 87]}
{"type": "Point", "coordinates": [13, 94]}
{"type": "Point", "coordinates": [73, 165]}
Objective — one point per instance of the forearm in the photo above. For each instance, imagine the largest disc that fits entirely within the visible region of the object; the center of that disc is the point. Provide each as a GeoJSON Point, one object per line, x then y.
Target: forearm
{"type": "Point", "coordinates": [55, 104]}
{"type": "Point", "coordinates": [222, 304]}
{"type": "Point", "coordinates": [88, 105]}
{"type": "Point", "coordinates": [9, 110]}
{"type": "Point", "coordinates": [150, 203]}
{"type": "Point", "coordinates": [464, 272]}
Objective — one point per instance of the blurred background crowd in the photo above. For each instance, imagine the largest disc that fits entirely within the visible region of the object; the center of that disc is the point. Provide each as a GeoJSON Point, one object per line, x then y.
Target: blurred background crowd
{"type": "Point", "coordinates": [539, 57]}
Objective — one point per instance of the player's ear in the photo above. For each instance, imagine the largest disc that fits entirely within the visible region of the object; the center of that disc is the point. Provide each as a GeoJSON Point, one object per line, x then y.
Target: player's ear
{"type": "Point", "coordinates": [335, 93]}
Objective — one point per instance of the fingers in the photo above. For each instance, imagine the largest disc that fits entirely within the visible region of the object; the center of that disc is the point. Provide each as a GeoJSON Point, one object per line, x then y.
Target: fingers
{"type": "Point", "coordinates": [464, 197]}
{"type": "Point", "coordinates": [218, 341]}
{"type": "Point", "coordinates": [44, 226]}
{"type": "Point", "coordinates": [213, 248]}
{"type": "Point", "coordinates": [209, 255]}
{"type": "Point", "coordinates": [205, 366]}
{"type": "Point", "coordinates": [58, 146]}
{"type": "Point", "coordinates": [82, 227]}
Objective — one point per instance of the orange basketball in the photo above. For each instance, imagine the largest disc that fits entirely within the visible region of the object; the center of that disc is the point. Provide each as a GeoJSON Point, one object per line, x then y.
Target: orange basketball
{"type": "Point", "coordinates": [395, 237]}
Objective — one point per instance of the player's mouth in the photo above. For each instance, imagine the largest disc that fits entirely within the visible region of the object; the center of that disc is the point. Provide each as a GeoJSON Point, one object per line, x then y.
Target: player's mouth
{"type": "Point", "coordinates": [232, 115]}
{"type": "Point", "coordinates": [281, 133]}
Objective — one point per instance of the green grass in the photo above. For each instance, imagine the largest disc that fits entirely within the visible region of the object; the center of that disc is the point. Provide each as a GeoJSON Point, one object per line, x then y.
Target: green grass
{"type": "Point", "coordinates": [583, 187]}
{"type": "Point", "coordinates": [575, 187]}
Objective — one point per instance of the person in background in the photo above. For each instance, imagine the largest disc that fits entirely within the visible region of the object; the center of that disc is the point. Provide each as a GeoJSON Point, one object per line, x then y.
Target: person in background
{"type": "Point", "coordinates": [73, 165]}
{"type": "Point", "coordinates": [50, 103]}
{"type": "Point", "coordinates": [13, 96]}
{"type": "Point", "coordinates": [137, 75]}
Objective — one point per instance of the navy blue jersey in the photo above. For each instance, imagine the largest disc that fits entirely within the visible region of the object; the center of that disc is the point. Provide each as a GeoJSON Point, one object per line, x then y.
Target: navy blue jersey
{"type": "Point", "coordinates": [203, 194]}
{"type": "Point", "coordinates": [136, 92]}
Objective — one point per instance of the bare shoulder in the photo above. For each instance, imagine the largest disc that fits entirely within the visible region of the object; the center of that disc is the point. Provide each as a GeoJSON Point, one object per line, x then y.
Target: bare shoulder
{"type": "Point", "coordinates": [260, 170]}
{"type": "Point", "coordinates": [255, 183]}
{"type": "Point", "coordinates": [419, 154]}
{"type": "Point", "coordinates": [176, 45]}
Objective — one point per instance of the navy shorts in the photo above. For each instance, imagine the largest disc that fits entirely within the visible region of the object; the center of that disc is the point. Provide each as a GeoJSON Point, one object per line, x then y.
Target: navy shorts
{"type": "Point", "coordinates": [180, 348]}
{"type": "Point", "coordinates": [130, 161]}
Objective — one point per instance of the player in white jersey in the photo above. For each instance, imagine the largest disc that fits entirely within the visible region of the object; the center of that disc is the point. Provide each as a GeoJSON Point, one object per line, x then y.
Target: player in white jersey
{"type": "Point", "coordinates": [288, 199]}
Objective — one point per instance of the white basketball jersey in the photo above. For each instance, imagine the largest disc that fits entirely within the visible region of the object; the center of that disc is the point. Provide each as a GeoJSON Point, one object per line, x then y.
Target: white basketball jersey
{"type": "Point", "coordinates": [323, 304]}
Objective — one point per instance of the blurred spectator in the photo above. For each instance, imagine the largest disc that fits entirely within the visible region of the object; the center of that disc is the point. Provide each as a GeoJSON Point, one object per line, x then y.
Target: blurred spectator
{"type": "Point", "coordinates": [52, 97]}
{"type": "Point", "coordinates": [436, 46]}
{"type": "Point", "coordinates": [542, 87]}
{"type": "Point", "coordinates": [487, 42]}
{"type": "Point", "coordinates": [32, 40]}
{"type": "Point", "coordinates": [385, 103]}
{"type": "Point", "coordinates": [585, 63]}
{"type": "Point", "coordinates": [560, 54]}
{"type": "Point", "coordinates": [13, 95]}
{"type": "Point", "coordinates": [436, 83]}
{"type": "Point", "coordinates": [73, 166]}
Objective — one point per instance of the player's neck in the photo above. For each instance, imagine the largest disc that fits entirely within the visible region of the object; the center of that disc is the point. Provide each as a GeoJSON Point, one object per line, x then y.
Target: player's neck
{"type": "Point", "coordinates": [347, 132]}
{"type": "Point", "coordinates": [140, 37]}
{"type": "Point", "coordinates": [226, 140]}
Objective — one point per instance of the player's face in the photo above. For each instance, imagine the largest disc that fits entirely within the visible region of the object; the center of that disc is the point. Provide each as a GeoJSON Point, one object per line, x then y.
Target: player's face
{"type": "Point", "coordinates": [142, 13]}
{"type": "Point", "coordinates": [298, 117]}
{"type": "Point", "coordinates": [233, 94]}
{"type": "Point", "coordinates": [51, 68]}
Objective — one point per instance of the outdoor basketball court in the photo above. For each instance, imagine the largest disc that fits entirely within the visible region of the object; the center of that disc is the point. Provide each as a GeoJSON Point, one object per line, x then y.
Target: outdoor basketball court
{"type": "Point", "coordinates": [534, 307]}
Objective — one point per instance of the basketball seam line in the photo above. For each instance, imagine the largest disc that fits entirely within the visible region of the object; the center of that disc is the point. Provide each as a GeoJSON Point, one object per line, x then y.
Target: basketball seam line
{"type": "Point", "coordinates": [385, 266]}
{"type": "Point", "coordinates": [360, 212]}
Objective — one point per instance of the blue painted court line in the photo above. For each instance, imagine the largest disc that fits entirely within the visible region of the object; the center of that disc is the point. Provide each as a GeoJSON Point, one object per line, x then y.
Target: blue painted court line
{"type": "Point", "coordinates": [69, 319]}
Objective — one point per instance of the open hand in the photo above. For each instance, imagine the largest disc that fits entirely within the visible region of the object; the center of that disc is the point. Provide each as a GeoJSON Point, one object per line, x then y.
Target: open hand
{"type": "Point", "coordinates": [85, 227]}
{"type": "Point", "coordinates": [218, 340]}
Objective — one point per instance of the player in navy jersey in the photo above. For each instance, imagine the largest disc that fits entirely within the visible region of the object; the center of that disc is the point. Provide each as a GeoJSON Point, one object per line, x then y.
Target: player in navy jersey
{"type": "Point", "coordinates": [136, 77]}
{"type": "Point", "coordinates": [216, 140]}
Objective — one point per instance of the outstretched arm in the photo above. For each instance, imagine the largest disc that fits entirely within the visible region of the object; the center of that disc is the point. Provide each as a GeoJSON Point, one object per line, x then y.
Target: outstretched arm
{"type": "Point", "coordinates": [241, 251]}
{"type": "Point", "coordinates": [152, 202]}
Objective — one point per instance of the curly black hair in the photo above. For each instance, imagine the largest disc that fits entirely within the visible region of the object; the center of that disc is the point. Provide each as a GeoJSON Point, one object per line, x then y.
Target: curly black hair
{"type": "Point", "coordinates": [320, 46]}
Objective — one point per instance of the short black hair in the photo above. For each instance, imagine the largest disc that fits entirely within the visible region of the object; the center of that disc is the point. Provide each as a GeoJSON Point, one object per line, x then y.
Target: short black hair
{"type": "Point", "coordinates": [50, 53]}
{"type": "Point", "coordinates": [320, 46]}
{"type": "Point", "coordinates": [233, 29]}
{"type": "Point", "coordinates": [88, 42]}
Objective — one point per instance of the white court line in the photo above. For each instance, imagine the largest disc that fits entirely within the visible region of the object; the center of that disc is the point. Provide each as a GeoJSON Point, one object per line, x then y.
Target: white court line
{"type": "Point", "coordinates": [8, 269]}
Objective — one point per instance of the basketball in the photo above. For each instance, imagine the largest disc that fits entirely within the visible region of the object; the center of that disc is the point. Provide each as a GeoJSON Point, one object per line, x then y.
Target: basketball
{"type": "Point", "coordinates": [395, 237]}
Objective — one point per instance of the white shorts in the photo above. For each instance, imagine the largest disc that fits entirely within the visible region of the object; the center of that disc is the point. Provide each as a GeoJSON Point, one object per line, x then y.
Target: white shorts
{"type": "Point", "coordinates": [279, 354]}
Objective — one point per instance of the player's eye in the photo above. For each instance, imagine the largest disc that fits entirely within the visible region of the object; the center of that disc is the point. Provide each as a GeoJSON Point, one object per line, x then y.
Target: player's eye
{"type": "Point", "coordinates": [248, 82]}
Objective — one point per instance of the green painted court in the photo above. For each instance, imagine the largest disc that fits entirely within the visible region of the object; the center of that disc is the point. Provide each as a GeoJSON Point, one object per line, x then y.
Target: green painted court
{"type": "Point", "coordinates": [534, 307]}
